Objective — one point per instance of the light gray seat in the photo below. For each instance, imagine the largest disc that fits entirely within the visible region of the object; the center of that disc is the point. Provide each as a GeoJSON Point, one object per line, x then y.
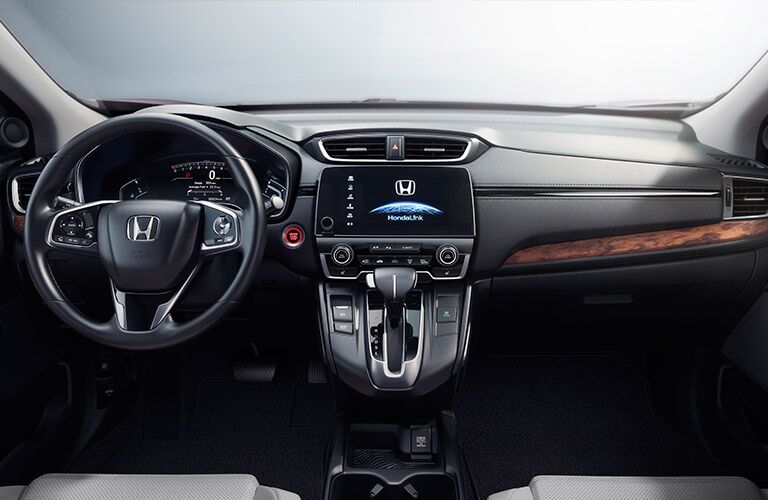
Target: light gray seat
{"type": "Point", "coordinates": [635, 488]}
{"type": "Point", "coordinates": [144, 487]}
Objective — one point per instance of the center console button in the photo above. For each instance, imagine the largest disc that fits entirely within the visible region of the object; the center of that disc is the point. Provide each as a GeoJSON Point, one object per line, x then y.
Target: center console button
{"type": "Point", "coordinates": [446, 272]}
{"type": "Point", "coordinates": [341, 307]}
{"type": "Point", "coordinates": [446, 314]}
{"type": "Point", "coordinates": [343, 328]}
{"type": "Point", "coordinates": [342, 254]}
{"type": "Point", "coordinates": [447, 255]}
{"type": "Point", "coordinates": [343, 272]}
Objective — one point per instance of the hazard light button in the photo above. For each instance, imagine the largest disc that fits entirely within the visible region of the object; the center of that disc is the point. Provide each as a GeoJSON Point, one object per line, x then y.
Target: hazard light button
{"type": "Point", "coordinates": [395, 145]}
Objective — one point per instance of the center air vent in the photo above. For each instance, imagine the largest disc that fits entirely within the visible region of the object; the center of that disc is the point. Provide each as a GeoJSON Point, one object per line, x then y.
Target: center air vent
{"type": "Point", "coordinates": [397, 147]}
{"type": "Point", "coordinates": [21, 189]}
{"type": "Point", "coordinates": [356, 148]}
{"type": "Point", "coordinates": [434, 148]}
{"type": "Point", "coordinates": [750, 198]}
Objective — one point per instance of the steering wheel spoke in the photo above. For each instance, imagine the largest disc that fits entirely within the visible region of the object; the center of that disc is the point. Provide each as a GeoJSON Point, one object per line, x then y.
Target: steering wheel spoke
{"type": "Point", "coordinates": [221, 229]}
{"type": "Point", "coordinates": [137, 312]}
{"type": "Point", "coordinates": [75, 229]}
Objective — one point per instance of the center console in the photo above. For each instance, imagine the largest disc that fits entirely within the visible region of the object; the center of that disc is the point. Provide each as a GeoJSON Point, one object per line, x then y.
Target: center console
{"type": "Point", "coordinates": [395, 244]}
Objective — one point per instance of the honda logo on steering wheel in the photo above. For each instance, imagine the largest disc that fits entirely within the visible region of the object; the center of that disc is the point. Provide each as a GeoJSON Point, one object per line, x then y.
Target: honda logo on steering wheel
{"type": "Point", "coordinates": [143, 227]}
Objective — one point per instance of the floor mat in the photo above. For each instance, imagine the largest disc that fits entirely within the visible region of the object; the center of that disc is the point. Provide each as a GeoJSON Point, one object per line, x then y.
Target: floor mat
{"type": "Point", "coordinates": [276, 431]}
{"type": "Point", "coordinates": [522, 416]}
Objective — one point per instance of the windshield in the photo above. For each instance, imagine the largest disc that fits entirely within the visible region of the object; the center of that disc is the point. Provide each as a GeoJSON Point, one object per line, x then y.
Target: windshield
{"type": "Point", "coordinates": [571, 53]}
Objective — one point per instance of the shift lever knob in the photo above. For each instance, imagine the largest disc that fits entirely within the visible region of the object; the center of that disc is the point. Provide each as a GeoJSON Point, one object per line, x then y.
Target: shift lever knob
{"type": "Point", "coordinates": [394, 283]}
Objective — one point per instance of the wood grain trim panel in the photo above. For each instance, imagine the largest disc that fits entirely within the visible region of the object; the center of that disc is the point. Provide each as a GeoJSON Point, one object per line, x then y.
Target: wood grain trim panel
{"type": "Point", "coordinates": [723, 232]}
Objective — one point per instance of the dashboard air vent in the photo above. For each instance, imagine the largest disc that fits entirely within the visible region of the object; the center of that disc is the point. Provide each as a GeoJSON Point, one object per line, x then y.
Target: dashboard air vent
{"type": "Point", "coordinates": [750, 198]}
{"type": "Point", "coordinates": [21, 189]}
{"type": "Point", "coordinates": [434, 148]}
{"type": "Point", "coordinates": [737, 161]}
{"type": "Point", "coordinates": [356, 148]}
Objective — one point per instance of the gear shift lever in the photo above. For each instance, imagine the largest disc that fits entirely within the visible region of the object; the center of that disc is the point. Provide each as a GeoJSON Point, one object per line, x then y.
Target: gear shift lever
{"type": "Point", "coordinates": [394, 283]}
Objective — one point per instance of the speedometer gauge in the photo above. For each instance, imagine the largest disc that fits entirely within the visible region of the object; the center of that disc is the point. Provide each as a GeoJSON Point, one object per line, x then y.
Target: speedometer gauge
{"type": "Point", "coordinates": [203, 180]}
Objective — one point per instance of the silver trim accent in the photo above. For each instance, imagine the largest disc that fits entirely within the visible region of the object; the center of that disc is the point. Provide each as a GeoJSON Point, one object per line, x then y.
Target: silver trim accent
{"type": "Point", "coordinates": [467, 318]}
{"type": "Point", "coordinates": [728, 183]}
{"type": "Point", "coordinates": [409, 370]}
{"type": "Point", "coordinates": [162, 311]}
{"type": "Point", "coordinates": [15, 196]}
{"type": "Point", "coordinates": [471, 143]}
{"type": "Point", "coordinates": [626, 194]}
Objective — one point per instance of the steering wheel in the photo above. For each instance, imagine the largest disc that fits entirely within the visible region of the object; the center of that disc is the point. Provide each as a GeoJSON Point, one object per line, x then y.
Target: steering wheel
{"type": "Point", "coordinates": [151, 249]}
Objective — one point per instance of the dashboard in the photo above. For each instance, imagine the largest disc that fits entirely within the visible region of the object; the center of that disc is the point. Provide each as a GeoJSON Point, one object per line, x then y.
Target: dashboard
{"type": "Point", "coordinates": [524, 200]}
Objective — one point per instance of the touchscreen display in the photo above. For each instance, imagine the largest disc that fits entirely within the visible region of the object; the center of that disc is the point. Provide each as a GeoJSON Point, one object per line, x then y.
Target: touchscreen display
{"type": "Point", "coordinates": [392, 201]}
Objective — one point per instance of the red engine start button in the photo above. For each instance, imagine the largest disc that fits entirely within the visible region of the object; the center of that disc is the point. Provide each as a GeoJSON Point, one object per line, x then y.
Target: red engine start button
{"type": "Point", "coordinates": [293, 236]}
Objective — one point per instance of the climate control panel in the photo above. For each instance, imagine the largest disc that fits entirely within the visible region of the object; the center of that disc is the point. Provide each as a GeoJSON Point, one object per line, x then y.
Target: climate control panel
{"type": "Point", "coordinates": [436, 258]}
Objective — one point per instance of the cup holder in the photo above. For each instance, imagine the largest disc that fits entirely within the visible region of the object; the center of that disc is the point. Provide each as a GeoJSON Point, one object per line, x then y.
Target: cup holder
{"type": "Point", "coordinates": [351, 486]}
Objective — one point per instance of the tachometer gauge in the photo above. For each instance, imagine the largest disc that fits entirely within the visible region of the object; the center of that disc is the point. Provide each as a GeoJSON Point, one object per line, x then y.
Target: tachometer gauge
{"type": "Point", "coordinates": [203, 180]}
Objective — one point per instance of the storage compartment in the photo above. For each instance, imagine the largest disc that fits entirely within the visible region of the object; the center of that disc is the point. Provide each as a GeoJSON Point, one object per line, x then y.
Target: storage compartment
{"type": "Point", "coordinates": [353, 486]}
{"type": "Point", "coordinates": [395, 461]}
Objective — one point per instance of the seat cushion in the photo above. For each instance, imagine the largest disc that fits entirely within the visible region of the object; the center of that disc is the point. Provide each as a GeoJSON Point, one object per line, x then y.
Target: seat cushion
{"type": "Point", "coordinates": [150, 487]}
{"type": "Point", "coordinates": [11, 492]}
{"type": "Point", "coordinates": [634, 488]}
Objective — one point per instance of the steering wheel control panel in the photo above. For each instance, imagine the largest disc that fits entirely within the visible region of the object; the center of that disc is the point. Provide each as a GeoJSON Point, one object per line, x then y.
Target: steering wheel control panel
{"type": "Point", "coordinates": [75, 227]}
{"type": "Point", "coordinates": [417, 217]}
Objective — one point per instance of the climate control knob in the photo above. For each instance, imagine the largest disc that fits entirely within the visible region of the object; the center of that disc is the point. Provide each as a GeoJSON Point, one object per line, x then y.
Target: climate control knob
{"type": "Point", "coordinates": [342, 254]}
{"type": "Point", "coordinates": [447, 255]}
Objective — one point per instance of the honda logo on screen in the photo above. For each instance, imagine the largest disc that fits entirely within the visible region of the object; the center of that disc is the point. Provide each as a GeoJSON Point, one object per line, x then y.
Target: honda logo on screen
{"type": "Point", "coordinates": [405, 187]}
{"type": "Point", "coordinates": [143, 227]}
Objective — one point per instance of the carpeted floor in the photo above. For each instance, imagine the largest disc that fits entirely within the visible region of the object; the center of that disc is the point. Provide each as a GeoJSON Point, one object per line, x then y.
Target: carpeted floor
{"type": "Point", "coordinates": [522, 416]}
{"type": "Point", "coordinates": [276, 431]}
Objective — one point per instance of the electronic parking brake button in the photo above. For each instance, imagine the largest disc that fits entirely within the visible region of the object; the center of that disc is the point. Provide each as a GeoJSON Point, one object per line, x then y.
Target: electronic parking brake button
{"type": "Point", "coordinates": [341, 307]}
{"type": "Point", "coordinates": [343, 328]}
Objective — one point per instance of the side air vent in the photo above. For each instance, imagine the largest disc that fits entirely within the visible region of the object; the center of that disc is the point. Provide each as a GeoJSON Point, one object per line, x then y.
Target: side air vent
{"type": "Point", "coordinates": [737, 161]}
{"type": "Point", "coordinates": [356, 148]}
{"type": "Point", "coordinates": [750, 198]}
{"type": "Point", "coordinates": [434, 148]}
{"type": "Point", "coordinates": [21, 189]}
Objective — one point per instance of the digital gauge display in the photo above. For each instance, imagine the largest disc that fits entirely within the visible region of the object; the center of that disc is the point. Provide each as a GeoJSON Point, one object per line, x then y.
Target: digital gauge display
{"type": "Point", "coordinates": [202, 180]}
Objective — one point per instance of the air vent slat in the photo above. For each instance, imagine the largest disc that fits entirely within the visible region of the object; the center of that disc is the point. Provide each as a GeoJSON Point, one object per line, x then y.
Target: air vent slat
{"type": "Point", "coordinates": [356, 148]}
{"type": "Point", "coordinates": [21, 190]}
{"type": "Point", "coordinates": [750, 198]}
{"type": "Point", "coordinates": [434, 148]}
